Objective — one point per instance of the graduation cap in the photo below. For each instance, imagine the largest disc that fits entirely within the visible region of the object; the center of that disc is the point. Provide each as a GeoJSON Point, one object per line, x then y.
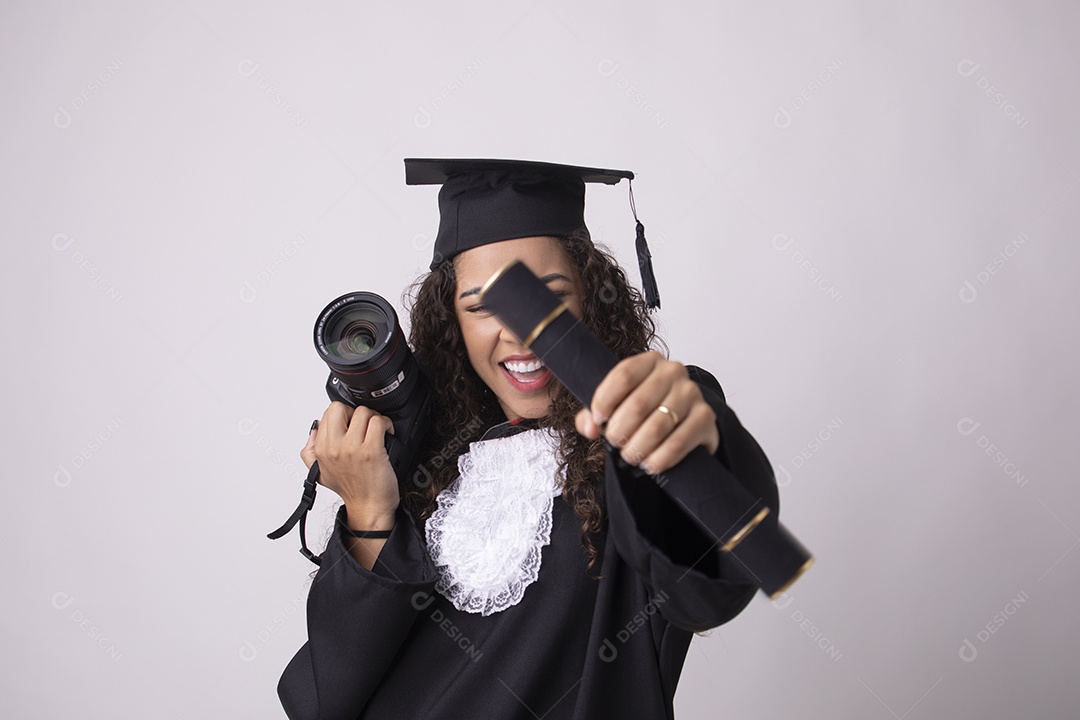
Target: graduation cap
{"type": "Point", "coordinates": [487, 201]}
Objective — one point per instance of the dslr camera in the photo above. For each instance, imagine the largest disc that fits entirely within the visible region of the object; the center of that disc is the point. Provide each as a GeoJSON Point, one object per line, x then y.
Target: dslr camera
{"type": "Point", "coordinates": [359, 337]}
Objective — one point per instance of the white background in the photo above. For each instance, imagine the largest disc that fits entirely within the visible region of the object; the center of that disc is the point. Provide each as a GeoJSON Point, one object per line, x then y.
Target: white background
{"type": "Point", "coordinates": [863, 222]}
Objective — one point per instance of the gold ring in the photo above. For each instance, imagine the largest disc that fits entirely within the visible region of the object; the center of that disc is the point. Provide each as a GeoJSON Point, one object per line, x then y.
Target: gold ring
{"type": "Point", "coordinates": [670, 413]}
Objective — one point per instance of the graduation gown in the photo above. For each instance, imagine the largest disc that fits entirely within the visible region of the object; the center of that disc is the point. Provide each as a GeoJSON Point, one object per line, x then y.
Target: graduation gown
{"type": "Point", "coordinates": [382, 643]}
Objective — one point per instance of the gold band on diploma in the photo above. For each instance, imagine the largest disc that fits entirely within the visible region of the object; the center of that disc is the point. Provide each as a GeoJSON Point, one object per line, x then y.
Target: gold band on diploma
{"type": "Point", "coordinates": [806, 566]}
{"type": "Point", "coordinates": [498, 274]}
{"type": "Point", "coordinates": [542, 325]}
{"type": "Point", "coordinates": [746, 530]}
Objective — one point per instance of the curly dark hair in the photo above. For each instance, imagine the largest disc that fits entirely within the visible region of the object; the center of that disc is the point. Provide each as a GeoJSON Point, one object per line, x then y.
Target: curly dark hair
{"type": "Point", "coordinates": [465, 407]}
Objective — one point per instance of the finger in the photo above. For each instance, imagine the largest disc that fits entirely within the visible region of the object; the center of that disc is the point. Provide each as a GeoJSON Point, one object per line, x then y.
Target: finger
{"type": "Point", "coordinates": [694, 430]}
{"type": "Point", "coordinates": [583, 421]}
{"type": "Point", "coordinates": [377, 428]}
{"type": "Point", "coordinates": [653, 426]}
{"type": "Point", "coordinates": [358, 425]}
{"type": "Point", "coordinates": [664, 384]}
{"type": "Point", "coordinates": [335, 420]}
{"type": "Point", "coordinates": [692, 399]}
{"type": "Point", "coordinates": [332, 426]}
{"type": "Point", "coordinates": [656, 425]}
{"type": "Point", "coordinates": [618, 383]}
{"type": "Point", "coordinates": [307, 453]}
{"type": "Point", "coordinates": [638, 407]}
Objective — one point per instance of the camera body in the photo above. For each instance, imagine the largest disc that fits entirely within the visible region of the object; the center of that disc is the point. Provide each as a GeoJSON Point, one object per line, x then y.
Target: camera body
{"type": "Point", "coordinates": [359, 337]}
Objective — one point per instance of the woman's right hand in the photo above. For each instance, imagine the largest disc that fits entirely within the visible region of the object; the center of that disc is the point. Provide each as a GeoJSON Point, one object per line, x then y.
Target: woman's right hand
{"type": "Point", "coordinates": [349, 444]}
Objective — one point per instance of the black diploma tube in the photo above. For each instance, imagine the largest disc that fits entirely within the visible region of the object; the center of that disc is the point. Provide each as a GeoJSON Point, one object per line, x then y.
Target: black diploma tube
{"type": "Point", "coordinates": [751, 541]}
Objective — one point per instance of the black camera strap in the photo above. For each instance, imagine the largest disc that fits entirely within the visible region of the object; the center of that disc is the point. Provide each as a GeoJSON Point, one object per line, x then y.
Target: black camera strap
{"type": "Point", "coordinates": [300, 514]}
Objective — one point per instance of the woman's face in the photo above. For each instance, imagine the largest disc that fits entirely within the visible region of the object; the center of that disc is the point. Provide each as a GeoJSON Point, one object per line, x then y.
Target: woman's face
{"type": "Point", "coordinates": [516, 376]}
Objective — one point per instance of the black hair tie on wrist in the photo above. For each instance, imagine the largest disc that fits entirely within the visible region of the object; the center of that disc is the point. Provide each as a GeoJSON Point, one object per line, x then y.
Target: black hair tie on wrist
{"type": "Point", "coordinates": [378, 534]}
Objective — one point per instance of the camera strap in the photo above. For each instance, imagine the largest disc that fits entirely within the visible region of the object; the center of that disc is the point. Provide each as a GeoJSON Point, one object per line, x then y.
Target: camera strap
{"type": "Point", "coordinates": [300, 514]}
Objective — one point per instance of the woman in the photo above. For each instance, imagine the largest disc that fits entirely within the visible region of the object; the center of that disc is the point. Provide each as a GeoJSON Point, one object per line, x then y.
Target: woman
{"type": "Point", "coordinates": [517, 582]}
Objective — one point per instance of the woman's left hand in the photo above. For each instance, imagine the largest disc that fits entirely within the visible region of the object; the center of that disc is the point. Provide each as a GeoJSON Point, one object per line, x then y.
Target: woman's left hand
{"type": "Point", "coordinates": [630, 398]}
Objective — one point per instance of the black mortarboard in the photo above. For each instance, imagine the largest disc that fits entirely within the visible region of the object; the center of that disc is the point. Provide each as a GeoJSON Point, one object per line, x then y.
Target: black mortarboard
{"type": "Point", "coordinates": [486, 201]}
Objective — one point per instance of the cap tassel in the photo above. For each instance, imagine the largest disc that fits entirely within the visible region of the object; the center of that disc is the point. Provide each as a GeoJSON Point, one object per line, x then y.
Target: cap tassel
{"type": "Point", "coordinates": [644, 258]}
{"type": "Point", "coordinates": [648, 280]}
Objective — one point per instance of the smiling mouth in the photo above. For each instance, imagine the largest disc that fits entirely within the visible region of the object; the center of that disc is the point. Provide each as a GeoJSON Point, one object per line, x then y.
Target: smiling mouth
{"type": "Point", "coordinates": [525, 371]}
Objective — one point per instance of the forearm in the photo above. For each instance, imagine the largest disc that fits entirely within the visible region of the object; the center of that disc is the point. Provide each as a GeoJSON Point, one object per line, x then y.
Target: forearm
{"type": "Point", "coordinates": [366, 550]}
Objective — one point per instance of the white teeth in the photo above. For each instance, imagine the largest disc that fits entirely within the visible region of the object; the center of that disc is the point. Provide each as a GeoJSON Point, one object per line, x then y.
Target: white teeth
{"type": "Point", "coordinates": [521, 367]}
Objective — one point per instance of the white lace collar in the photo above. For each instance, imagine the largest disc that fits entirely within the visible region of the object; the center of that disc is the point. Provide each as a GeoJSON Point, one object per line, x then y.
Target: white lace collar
{"type": "Point", "coordinates": [486, 535]}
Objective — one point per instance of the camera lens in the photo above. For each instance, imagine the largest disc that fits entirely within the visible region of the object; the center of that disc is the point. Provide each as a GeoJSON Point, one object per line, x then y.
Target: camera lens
{"type": "Point", "coordinates": [356, 330]}
{"type": "Point", "coordinates": [357, 340]}
{"type": "Point", "coordinates": [359, 337]}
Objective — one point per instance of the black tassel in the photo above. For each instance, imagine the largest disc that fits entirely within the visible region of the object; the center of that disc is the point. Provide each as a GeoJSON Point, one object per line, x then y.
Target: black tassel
{"type": "Point", "coordinates": [648, 279]}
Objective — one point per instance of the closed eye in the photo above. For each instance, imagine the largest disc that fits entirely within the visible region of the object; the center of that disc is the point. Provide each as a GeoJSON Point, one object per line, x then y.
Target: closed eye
{"type": "Point", "coordinates": [478, 308]}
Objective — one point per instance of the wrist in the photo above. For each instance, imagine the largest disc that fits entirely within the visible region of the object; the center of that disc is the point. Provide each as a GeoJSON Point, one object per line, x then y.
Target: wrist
{"type": "Point", "coordinates": [369, 519]}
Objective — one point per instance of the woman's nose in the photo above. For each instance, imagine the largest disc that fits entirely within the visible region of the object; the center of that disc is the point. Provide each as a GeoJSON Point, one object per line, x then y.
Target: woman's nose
{"type": "Point", "coordinates": [505, 336]}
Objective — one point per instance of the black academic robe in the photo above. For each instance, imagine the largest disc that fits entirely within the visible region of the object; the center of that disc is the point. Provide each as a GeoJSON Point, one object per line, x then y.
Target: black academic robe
{"type": "Point", "coordinates": [383, 644]}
